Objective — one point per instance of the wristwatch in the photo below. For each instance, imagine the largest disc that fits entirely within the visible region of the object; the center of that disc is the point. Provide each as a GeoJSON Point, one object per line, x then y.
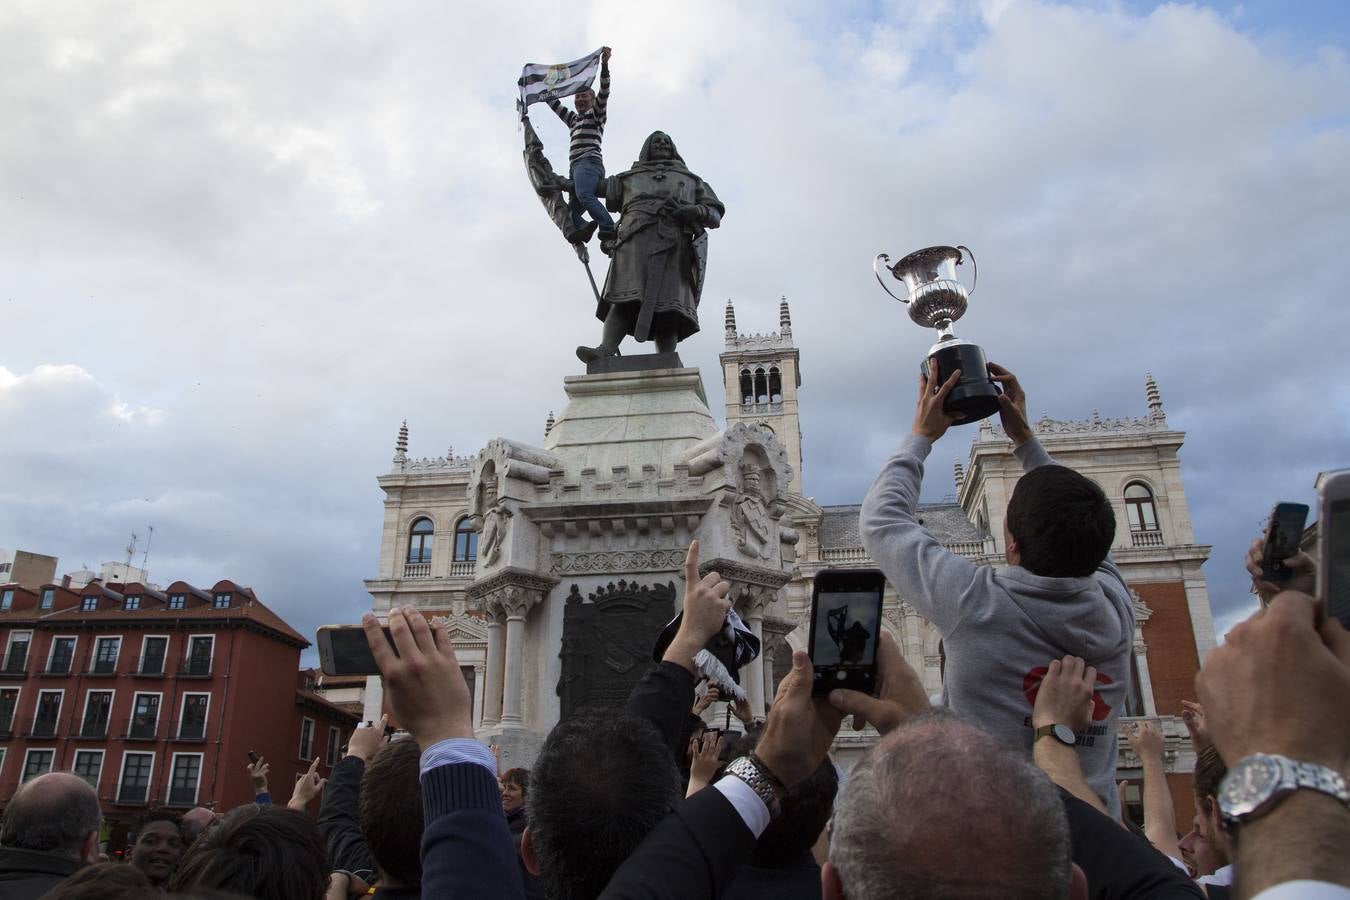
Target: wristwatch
{"type": "Point", "coordinates": [1063, 733]}
{"type": "Point", "coordinates": [764, 783]}
{"type": "Point", "coordinates": [1260, 781]}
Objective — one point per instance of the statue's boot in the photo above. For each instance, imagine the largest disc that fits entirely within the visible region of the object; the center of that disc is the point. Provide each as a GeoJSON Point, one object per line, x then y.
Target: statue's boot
{"type": "Point", "coordinates": [590, 354]}
{"type": "Point", "coordinates": [581, 235]}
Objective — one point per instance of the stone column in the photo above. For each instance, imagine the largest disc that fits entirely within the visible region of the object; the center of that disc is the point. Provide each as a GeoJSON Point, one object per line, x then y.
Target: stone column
{"type": "Point", "coordinates": [517, 602]}
{"type": "Point", "coordinates": [752, 602]}
{"type": "Point", "coordinates": [1145, 681]}
{"type": "Point", "coordinates": [479, 690]}
{"type": "Point", "coordinates": [496, 656]}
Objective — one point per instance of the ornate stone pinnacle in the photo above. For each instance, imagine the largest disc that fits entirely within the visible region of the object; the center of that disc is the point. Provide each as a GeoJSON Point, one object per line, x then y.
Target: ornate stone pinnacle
{"type": "Point", "coordinates": [548, 423]}
{"type": "Point", "coordinates": [1155, 406]}
{"type": "Point", "coordinates": [401, 446]}
{"type": "Point", "coordinates": [958, 475]}
{"type": "Point", "coordinates": [784, 317]}
{"type": "Point", "coordinates": [731, 323]}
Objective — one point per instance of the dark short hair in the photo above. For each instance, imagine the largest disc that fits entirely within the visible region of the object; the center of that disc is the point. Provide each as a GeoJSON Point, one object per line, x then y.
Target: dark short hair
{"type": "Point", "coordinates": [266, 852]}
{"type": "Point", "coordinates": [600, 784]}
{"type": "Point", "coordinates": [158, 814]}
{"type": "Point", "coordinates": [391, 811]}
{"type": "Point", "coordinates": [49, 818]}
{"type": "Point", "coordinates": [806, 810]}
{"type": "Point", "coordinates": [1209, 773]}
{"type": "Point", "coordinates": [1062, 522]}
{"type": "Point", "coordinates": [105, 881]}
{"type": "Point", "coordinates": [520, 778]}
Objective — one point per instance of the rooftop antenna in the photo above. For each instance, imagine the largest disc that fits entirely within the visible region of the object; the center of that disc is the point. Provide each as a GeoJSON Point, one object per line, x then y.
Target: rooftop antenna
{"type": "Point", "coordinates": [131, 552]}
{"type": "Point", "coordinates": [145, 560]}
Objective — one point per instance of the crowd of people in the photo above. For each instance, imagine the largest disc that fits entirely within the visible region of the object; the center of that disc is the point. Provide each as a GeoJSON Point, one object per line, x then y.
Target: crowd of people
{"type": "Point", "coordinates": [974, 797]}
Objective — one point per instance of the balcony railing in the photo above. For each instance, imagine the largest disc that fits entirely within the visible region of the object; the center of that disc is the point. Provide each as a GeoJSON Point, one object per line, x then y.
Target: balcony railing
{"type": "Point", "coordinates": [417, 570]}
{"type": "Point", "coordinates": [463, 568]}
{"type": "Point", "coordinates": [15, 666]}
{"type": "Point", "coordinates": [1146, 539]}
{"type": "Point", "coordinates": [43, 727]}
{"type": "Point", "coordinates": [91, 730]}
{"type": "Point", "coordinates": [141, 667]}
{"type": "Point", "coordinates": [191, 732]}
{"type": "Point", "coordinates": [60, 667]}
{"type": "Point", "coordinates": [194, 668]}
{"type": "Point", "coordinates": [141, 728]}
{"type": "Point", "coordinates": [182, 796]}
{"type": "Point", "coordinates": [7, 726]}
{"type": "Point", "coordinates": [102, 668]}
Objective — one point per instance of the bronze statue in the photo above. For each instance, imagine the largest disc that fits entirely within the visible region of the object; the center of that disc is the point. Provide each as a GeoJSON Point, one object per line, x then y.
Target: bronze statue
{"type": "Point", "coordinates": [659, 257]}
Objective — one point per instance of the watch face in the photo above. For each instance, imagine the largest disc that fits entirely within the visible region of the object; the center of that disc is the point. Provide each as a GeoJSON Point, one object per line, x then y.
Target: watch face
{"type": "Point", "coordinates": [1065, 734]}
{"type": "Point", "coordinates": [1248, 785]}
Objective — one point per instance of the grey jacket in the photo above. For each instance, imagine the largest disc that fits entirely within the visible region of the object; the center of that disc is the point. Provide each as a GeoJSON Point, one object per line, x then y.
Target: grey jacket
{"type": "Point", "coordinates": [1002, 626]}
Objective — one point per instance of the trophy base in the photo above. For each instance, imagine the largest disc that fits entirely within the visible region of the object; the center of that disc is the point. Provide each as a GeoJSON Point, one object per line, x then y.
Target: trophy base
{"type": "Point", "coordinates": [975, 396]}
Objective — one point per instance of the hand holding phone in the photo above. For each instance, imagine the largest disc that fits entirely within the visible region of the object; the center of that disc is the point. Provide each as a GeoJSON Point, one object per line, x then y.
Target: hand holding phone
{"type": "Point", "coordinates": [845, 625]}
{"type": "Point", "coordinates": [343, 650]}
{"type": "Point", "coordinates": [1274, 561]}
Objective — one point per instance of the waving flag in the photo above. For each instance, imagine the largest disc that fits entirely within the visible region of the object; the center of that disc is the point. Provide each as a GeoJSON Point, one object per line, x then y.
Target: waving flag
{"type": "Point", "coordinates": [544, 82]}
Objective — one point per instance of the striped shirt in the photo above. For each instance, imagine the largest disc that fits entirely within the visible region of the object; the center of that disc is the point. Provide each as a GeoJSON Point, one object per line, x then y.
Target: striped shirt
{"type": "Point", "coordinates": [587, 128]}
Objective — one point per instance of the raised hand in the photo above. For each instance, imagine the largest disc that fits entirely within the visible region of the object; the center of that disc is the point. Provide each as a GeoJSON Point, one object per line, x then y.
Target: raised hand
{"type": "Point", "coordinates": [741, 710]}
{"type": "Point", "coordinates": [900, 693]}
{"type": "Point", "coordinates": [710, 696]}
{"type": "Point", "coordinates": [1193, 714]}
{"type": "Point", "coordinates": [1065, 694]}
{"type": "Point", "coordinates": [705, 754]}
{"type": "Point", "coordinates": [1303, 577]}
{"type": "Point", "coordinates": [800, 727]}
{"type": "Point", "coordinates": [307, 788]}
{"type": "Point", "coordinates": [423, 684]}
{"type": "Point", "coordinates": [704, 614]}
{"type": "Point", "coordinates": [1012, 404]}
{"type": "Point", "coordinates": [257, 772]}
{"type": "Point", "coordinates": [366, 742]}
{"type": "Point", "coordinates": [1146, 740]}
{"type": "Point", "coordinates": [930, 420]}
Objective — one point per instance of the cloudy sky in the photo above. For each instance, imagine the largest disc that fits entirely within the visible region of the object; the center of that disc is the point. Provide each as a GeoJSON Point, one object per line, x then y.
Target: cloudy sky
{"type": "Point", "coordinates": [240, 242]}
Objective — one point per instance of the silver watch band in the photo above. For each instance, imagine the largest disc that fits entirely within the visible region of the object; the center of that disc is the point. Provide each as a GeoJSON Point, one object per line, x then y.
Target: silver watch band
{"type": "Point", "coordinates": [748, 770]}
{"type": "Point", "coordinates": [1259, 782]}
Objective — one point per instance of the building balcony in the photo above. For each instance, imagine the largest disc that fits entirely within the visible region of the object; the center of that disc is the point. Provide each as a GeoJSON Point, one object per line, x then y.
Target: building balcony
{"type": "Point", "coordinates": [96, 730]}
{"type": "Point", "coordinates": [463, 568]}
{"type": "Point", "coordinates": [190, 734]}
{"type": "Point", "coordinates": [140, 728]}
{"type": "Point", "coordinates": [59, 669]}
{"type": "Point", "coordinates": [772, 406]}
{"type": "Point", "coordinates": [1146, 539]}
{"type": "Point", "coordinates": [101, 668]}
{"type": "Point", "coordinates": [6, 728]}
{"type": "Point", "coordinates": [42, 727]}
{"type": "Point", "coordinates": [148, 668]}
{"type": "Point", "coordinates": [132, 794]}
{"type": "Point", "coordinates": [417, 570]}
{"type": "Point", "coordinates": [181, 797]}
{"type": "Point", "coordinates": [13, 669]}
{"type": "Point", "coordinates": [194, 668]}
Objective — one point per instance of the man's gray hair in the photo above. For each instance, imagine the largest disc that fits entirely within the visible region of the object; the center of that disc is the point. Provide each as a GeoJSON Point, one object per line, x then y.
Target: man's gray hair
{"type": "Point", "coordinates": [941, 809]}
{"type": "Point", "coordinates": [53, 813]}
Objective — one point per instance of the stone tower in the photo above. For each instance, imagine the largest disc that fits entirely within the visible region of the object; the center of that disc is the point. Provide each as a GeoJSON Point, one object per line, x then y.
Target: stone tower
{"type": "Point", "coordinates": [761, 375]}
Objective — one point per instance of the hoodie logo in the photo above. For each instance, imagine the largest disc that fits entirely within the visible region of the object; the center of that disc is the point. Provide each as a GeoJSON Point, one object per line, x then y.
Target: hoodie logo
{"type": "Point", "coordinates": [1031, 686]}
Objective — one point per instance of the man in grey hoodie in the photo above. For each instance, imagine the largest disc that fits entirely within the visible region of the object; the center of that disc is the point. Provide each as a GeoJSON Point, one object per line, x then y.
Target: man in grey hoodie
{"type": "Point", "coordinates": [1059, 595]}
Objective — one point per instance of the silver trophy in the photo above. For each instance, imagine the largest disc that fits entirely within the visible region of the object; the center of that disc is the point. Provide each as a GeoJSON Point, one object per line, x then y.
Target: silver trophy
{"type": "Point", "coordinates": [936, 299]}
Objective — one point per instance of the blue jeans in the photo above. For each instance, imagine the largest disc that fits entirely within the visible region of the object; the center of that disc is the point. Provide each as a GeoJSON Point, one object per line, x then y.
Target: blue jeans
{"type": "Point", "coordinates": [586, 174]}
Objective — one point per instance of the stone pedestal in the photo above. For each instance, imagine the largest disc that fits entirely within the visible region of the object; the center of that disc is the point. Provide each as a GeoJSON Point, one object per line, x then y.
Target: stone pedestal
{"type": "Point", "coordinates": [601, 516]}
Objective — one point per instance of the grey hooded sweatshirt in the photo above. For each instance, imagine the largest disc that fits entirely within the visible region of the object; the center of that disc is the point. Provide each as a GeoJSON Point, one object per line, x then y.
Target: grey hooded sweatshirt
{"type": "Point", "coordinates": [1001, 626]}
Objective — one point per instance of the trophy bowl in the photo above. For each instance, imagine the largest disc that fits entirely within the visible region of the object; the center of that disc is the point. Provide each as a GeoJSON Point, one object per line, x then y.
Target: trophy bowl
{"type": "Point", "coordinates": [935, 299]}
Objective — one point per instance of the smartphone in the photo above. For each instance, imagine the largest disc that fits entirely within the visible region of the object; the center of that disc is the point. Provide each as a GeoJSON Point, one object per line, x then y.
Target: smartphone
{"type": "Point", "coordinates": [1333, 552]}
{"type": "Point", "coordinates": [343, 650]}
{"type": "Point", "coordinates": [252, 757]}
{"type": "Point", "coordinates": [845, 629]}
{"type": "Point", "coordinates": [1283, 535]}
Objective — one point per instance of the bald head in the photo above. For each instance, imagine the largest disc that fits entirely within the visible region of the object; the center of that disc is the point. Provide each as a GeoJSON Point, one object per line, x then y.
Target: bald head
{"type": "Point", "coordinates": [54, 813]}
{"type": "Point", "coordinates": [940, 808]}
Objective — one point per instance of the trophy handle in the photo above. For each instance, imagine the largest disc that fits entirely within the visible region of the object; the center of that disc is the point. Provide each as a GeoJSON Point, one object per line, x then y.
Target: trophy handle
{"type": "Point", "coordinates": [975, 270]}
{"type": "Point", "coordinates": [877, 265]}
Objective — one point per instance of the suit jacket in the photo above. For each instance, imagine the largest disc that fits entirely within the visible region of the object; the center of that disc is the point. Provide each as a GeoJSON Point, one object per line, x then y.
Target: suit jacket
{"type": "Point", "coordinates": [467, 851]}
{"type": "Point", "coordinates": [1119, 864]}
{"type": "Point", "coordinates": [28, 874]}
{"type": "Point", "coordinates": [664, 697]}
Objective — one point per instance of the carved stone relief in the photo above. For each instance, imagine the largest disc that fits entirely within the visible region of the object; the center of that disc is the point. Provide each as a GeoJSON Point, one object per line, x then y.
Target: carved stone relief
{"type": "Point", "coordinates": [607, 643]}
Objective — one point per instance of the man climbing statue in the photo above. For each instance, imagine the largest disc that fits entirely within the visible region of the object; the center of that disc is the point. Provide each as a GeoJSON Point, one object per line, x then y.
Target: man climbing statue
{"type": "Point", "coordinates": [587, 127]}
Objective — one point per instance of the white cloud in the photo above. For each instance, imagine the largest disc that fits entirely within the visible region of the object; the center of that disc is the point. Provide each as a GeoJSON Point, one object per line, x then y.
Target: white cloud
{"type": "Point", "coordinates": [273, 231]}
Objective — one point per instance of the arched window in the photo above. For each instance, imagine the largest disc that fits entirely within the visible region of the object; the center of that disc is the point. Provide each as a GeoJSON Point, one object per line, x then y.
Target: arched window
{"type": "Point", "coordinates": [1139, 508]}
{"type": "Point", "coordinates": [775, 386]}
{"type": "Point", "coordinates": [419, 541]}
{"type": "Point", "coordinates": [761, 387]}
{"type": "Point", "coordinates": [466, 541]}
{"type": "Point", "coordinates": [747, 388]}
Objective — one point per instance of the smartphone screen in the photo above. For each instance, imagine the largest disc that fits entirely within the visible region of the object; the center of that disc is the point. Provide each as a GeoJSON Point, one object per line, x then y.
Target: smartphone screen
{"type": "Point", "coordinates": [343, 650]}
{"type": "Point", "coordinates": [1336, 535]}
{"type": "Point", "coordinates": [845, 629]}
{"type": "Point", "coordinates": [1283, 535]}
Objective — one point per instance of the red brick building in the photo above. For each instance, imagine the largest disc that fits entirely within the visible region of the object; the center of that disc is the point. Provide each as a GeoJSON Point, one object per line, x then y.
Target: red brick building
{"type": "Point", "coordinates": [157, 697]}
